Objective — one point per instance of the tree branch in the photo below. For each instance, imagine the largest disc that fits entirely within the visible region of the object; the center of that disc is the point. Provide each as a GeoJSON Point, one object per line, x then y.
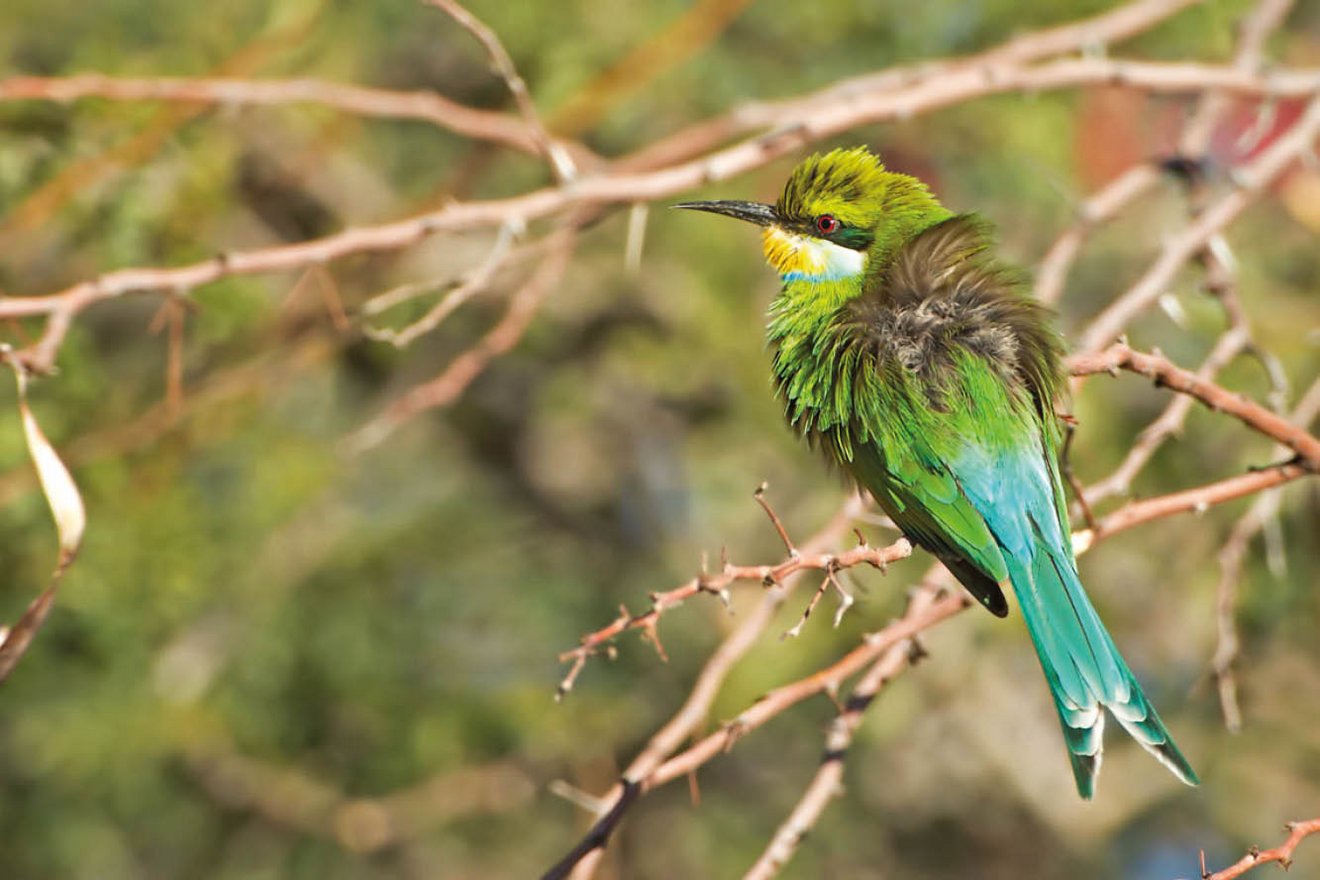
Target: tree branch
{"type": "Point", "coordinates": [422, 106]}
{"type": "Point", "coordinates": [556, 155]}
{"type": "Point", "coordinates": [1297, 832]}
{"type": "Point", "coordinates": [1251, 182]}
{"type": "Point", "coordinates": [1167, 374]}
{"type": "Point", "coordinates": [802, 123]}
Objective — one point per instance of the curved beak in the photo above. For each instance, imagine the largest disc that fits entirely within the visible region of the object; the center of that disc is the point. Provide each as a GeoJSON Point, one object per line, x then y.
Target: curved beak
{"type": "Point", "coordinates": [752, 212]}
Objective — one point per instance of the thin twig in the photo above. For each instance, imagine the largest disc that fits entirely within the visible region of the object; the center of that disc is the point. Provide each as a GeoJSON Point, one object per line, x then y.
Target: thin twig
{"type": "Point", "coordinates": [475, 282]}
{"type": "Point", "coordinates": [1255, 857]}
{"type": "Point", "coordinates": [1231, 558]}
{"type": "Point", "coordinates": [560, 162]}
{"type": "Point", "coordinates": [445, 388]}
{"type": "Point", "coordinates": [759, 495]}
{"type": "Point", "coordinates": [1251, 181]}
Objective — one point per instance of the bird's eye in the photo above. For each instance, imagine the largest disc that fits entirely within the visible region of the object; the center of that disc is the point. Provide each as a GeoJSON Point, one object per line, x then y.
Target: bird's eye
{"type": "Point", "coordinates": [828, 224]}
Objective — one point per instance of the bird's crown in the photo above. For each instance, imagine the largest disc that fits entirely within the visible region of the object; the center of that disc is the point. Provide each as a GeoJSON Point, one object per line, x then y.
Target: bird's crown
{"type": "Point", "coordinates": [849, 185]}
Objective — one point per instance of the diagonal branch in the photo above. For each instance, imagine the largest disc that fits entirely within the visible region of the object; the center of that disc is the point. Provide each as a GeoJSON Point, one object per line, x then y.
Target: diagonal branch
{"type": "Point", "coordinates": [1297, 832]}
{"type": "Point", "coordinates": [1252, 181]}
{"type": "Point", "coordinates": [1169, 422]}
{"type": "Point", "coordinates": [556, 155]}
{"type": "Point", "coordinates": [827, 784]}
{"type": "Point", "coordinates": [1167, 374]}
{"type": "Point", "coordinates": [718, 584]}
{"type": "Point", "coordinates": [1099, 209]}
{"type": "Point", "coordinates": [445, 388]}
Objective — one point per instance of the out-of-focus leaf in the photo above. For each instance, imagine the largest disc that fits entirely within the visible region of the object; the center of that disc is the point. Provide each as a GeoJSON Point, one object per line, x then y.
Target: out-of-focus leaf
{"type": "Point", "coordinates": [66, 506]}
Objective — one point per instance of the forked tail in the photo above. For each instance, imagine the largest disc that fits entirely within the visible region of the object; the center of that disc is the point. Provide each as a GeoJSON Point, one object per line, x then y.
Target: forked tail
{"type": "Point", "coordinates": [1084, 670]}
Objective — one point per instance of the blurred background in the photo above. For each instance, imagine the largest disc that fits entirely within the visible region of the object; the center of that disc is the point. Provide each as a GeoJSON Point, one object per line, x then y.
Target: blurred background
{"type": "Point", "coordinates": [273, 659]}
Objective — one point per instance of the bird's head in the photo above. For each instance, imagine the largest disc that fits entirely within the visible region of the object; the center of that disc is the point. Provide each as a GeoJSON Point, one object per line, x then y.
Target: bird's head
{"type": "Point", "coordinates": [840, 213]}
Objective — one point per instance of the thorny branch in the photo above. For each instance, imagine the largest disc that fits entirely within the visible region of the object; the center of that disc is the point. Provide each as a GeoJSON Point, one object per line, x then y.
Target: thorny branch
{"type": "Point", "coordinates": [921, 616]}
{"type": "Point", "coordinates": [1255, 857]}
{"type": "Point", "coordinates": [1219, 399]}
{"type": "Point", "coordinates": [717, 584]}
{"type": "Point", "coordinates": [827, 783]}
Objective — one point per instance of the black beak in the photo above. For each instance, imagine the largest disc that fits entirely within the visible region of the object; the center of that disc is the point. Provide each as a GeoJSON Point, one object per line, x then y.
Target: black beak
{"type": "Point", "coordinates": [752, 212]}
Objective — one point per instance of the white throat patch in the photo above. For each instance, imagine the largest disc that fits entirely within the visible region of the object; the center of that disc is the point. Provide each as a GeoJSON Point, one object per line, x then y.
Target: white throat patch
{"type": "Point", "coordinates": [803, 258]}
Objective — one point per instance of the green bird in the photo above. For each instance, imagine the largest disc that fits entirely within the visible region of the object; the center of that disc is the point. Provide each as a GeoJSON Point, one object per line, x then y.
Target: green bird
{"type": "Point", "coordinates": [918, 363]}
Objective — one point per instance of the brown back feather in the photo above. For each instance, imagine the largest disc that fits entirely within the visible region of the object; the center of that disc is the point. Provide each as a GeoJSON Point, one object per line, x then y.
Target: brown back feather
{"type": "Point", "coordinates": [944, 290]}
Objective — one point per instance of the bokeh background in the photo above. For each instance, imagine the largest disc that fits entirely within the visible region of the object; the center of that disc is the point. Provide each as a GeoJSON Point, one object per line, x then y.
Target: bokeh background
{"type": "Point", "coordinates": [276, 660]}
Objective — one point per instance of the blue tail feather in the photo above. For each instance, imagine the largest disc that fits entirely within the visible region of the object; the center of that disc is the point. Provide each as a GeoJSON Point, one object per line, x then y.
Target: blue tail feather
{"type": "Point", "coordinates": [1085, 672]}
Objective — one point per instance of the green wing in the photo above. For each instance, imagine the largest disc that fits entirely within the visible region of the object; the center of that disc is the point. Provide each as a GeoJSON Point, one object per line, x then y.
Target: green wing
{"type": "Point", "coordinates": [926, 502]}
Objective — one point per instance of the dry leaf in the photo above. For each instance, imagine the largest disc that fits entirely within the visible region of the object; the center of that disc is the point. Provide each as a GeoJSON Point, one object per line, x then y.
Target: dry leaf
{"type": "Point", "coordinates": [66, 506]}
{"type": "Point", "coordinates": [62, 494]}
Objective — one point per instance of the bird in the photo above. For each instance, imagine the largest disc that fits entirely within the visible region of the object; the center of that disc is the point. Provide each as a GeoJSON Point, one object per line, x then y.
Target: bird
{"type": "Point", "coordinates": [917, 361]}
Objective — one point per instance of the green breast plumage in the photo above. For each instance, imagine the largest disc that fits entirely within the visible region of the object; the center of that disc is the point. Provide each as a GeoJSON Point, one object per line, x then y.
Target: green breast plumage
{"type": "Point", "coordinates": [893, 348]}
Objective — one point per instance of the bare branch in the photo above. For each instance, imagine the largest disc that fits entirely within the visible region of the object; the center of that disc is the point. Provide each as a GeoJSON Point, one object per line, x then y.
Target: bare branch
{"type": "Point", "coordinates": [473, 284]}
{"type": "Point", "coordinates": [423, 106]}
{"type": "Point", "coordinates": [1231, 557]}
{"type": "Point", "coordinates": [556, 155]}
{"type": "Point", "coordinates": [806, 121]}
{"type": "Point", "coordinates": [1297, 832]}
{"type": "Point", "coordinates": [1167, 374]}
{"type": "Point", "coordinates": [1251, 181]}
{"type": "Point", "coordinates": [445, 388]}
{"type": "Point", "coordinates": [680, 727]}
{"type": "Point", "coordinates": [1097, 210]}
{"type": "Point", "coordinates": [1169, 423]}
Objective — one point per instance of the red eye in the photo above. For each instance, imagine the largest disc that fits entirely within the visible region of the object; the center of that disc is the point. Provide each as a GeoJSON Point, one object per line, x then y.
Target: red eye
{"type": "Point", "coordinates": [827, 224]}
